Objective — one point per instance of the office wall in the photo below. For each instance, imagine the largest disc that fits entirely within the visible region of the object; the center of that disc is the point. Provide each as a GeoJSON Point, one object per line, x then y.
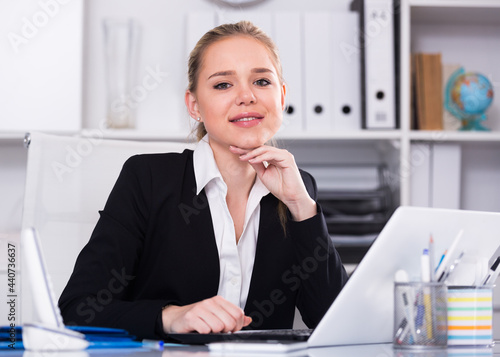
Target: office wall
{"type": "Point", "coordinates": [163, 47]}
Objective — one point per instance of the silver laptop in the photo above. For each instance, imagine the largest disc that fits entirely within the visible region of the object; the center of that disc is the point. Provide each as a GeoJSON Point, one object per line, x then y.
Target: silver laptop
{"type": "Point", "coordinates": [363, 311]}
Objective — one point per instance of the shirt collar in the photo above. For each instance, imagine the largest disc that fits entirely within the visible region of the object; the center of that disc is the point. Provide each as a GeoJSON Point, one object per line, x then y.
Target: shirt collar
{"type": "Point", "coordinates": [206, 169]}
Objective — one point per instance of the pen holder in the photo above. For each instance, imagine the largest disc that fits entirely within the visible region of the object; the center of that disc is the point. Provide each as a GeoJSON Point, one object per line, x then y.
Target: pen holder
{"type": "Point", "coordinates": [470, 315]}
{"type": "Point", "coordinates": [420, 315]}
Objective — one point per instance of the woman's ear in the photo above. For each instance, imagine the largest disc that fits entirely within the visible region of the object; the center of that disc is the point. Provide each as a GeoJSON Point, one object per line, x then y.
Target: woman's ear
{"type": "Point", "coordinates": [283, 96]}
{"type": "Point", "coordinates": [192, 105]}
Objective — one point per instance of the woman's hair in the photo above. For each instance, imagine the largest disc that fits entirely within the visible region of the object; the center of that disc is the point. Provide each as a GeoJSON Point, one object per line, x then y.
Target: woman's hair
{"type": "Point", "coordinates": [242, 28]}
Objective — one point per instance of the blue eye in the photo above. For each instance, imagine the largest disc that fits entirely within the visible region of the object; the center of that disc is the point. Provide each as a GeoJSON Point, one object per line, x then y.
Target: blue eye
{"type": "Point", "coordinates": [222, 86]}
{"type": "Point", "coordinates": [262, 82]}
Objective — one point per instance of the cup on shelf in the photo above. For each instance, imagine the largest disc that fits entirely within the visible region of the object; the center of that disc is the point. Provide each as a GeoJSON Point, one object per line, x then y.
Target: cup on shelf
{"type": "Point", "coordinates": [420, 315]}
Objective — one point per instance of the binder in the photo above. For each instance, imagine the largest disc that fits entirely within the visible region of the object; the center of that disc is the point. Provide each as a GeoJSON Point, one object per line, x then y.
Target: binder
{"type": "Point", "coordinates": [435, 175]}
{"type": "Point", "coordinates": [346, 72]}
{"type": "Point", "coordinates": [287, 34]}
{"type": "Point", "coordinates": [378, 47]}
{"type": "Point", "coordinates": [318, 71]}
{"type": "Point", "coordinates": [419, 169]}
{"type": "Point", "coordinates": [446, 174]}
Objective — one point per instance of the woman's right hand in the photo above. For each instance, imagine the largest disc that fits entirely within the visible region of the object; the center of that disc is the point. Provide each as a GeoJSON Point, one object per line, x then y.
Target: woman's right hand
{"type": "Point", "coordinates": [211, 315]}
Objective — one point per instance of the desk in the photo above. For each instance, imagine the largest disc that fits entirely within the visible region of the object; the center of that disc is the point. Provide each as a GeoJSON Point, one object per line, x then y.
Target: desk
{"type": "Point", "coordinates": [375, 350]}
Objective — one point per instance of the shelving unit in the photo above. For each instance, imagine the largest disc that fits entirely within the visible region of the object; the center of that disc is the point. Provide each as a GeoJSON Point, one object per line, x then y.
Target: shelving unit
{"type": "Point", "coordinates": [464, 29]}
{"type": "Point", "coordinates": [467, 33]}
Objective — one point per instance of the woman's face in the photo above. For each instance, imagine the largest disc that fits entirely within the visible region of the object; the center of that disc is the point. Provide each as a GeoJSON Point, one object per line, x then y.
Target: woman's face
{"type": "Point", "coordinates": [239, 96]}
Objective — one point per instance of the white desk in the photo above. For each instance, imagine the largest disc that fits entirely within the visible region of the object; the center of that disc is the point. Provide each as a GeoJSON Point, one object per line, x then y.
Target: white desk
{"type": "Point", "coordinates": [377, 350]}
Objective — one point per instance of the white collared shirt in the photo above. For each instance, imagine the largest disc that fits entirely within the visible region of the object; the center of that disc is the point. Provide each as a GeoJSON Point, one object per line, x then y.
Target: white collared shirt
{"type": "Point", "coordinates": [236, 259]}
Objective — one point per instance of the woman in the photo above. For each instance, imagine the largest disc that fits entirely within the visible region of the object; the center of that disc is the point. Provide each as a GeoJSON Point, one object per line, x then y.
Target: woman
{"type": "Point", "coordinates": [225, 237]}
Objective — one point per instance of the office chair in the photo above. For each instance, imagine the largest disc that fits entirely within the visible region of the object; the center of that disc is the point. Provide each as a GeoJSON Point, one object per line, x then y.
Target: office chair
{"type": "Point", "coordinates": [68, 180]}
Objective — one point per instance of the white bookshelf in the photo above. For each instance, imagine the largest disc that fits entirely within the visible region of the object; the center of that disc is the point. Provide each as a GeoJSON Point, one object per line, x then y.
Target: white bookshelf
{"type": "Point", "coordinates": [466, 33]}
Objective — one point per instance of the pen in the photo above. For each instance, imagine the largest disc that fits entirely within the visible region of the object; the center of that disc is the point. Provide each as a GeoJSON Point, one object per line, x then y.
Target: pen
{"type": "Point", "coordinates": [493, 273]}
{"type": "Point", "coordinates": [493, 270]}
{"type": "Point", "coordinates": [448, 257]}
{"type": "Point", "coordinates": [408, 301]}
{"type": "Point", "coordinates": [440, 261]}
{"type": "Point", "coordinates": [452, 267]}
{"type": "Point", "coordinates": [431, 256]}
{"type": "Point", "coordinates": [426, 278]}
{"type": "Point", "coordinates": [152, 344]}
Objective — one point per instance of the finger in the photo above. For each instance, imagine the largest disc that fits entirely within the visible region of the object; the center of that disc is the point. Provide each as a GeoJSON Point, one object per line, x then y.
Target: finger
{"type": "Point", "coordinates": [231, 315]}
{"type": "Point", "coordinates": [247, 321]}
{"type": "Point", "coordinates": [195, 320]}
{"type": "Point", "coordinates": [238, 150]}
{"type": "Point", "coordinates": [249, 153]}
{"type": "Point", "coordinates": [272, 158]}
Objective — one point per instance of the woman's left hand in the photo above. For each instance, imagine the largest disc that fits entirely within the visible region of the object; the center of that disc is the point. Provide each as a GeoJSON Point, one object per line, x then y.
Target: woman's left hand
{"type": "Point", "coordinates": [278, 171]}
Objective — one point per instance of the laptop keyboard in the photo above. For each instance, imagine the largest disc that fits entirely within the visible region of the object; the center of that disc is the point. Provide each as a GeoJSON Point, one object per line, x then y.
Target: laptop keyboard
{"type": "Point", "coordinates": [249, 335]}
{"type": "Point", "coordinates": [278, 332]}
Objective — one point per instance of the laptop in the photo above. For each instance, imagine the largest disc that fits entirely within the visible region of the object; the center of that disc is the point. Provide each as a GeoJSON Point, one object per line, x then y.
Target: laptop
{"type": "Point", "coordinates": [363, 312]}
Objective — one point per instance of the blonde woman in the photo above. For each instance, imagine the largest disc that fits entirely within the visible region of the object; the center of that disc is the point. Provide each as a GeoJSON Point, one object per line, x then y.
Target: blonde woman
{"type": "Point", "coordinates": [225, 237]}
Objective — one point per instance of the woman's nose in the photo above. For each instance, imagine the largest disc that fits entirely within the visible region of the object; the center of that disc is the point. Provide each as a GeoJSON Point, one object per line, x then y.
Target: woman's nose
{"type": "Point", "coordinates": [245, 96]}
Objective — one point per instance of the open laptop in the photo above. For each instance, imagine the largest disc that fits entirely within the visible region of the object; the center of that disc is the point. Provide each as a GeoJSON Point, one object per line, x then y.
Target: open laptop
{"type": "Point", "coordinates": [363, 312]}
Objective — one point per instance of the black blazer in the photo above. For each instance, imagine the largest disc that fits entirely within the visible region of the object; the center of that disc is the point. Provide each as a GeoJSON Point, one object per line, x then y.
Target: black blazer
{"type": "Point", "coordinates": [154, 245]}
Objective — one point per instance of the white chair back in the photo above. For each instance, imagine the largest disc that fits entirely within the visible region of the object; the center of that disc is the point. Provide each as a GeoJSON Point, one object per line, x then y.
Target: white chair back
{"type": "Point", "coordinates": [68, 180]}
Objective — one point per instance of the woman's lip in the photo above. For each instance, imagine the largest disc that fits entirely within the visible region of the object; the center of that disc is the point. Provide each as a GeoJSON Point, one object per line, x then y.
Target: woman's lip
{"type": "Point", "coordinates": [247, 123]}
{"type": "Point", "coordinates": [247, 115]}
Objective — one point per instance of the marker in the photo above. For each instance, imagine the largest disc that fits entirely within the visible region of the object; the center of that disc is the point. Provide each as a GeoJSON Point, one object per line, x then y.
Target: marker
{"type": "Point", "coordinates": [153, 344]}
{"type": "Point", "coordinates": [426, 278]}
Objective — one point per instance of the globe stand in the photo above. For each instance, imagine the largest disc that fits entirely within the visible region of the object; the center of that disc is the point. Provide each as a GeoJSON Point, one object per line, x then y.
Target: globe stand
{"type": "Point", "coordinates": [474, 124]}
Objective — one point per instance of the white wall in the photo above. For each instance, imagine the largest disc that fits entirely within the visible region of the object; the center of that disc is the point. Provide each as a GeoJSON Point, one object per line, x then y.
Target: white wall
{"type": "Point", "coordinates": [164, 46]}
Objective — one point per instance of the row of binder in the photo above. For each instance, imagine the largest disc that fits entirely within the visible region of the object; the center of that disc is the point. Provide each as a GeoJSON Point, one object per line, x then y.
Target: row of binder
{"type": "Point", "coordinates": [321, 54]}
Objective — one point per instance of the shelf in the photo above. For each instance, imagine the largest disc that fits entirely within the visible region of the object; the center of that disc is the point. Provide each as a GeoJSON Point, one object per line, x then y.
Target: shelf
{"type": "Point", "coordinates": [460, 136]}
{"type": "Point", "coordinates": [131, 134]}
{"type": "Point", "coordinates": [455, 3]}
{"type": "Point", "coordinates": [441, 12]}
{"type": "Point", "coordinates": [346, 135]}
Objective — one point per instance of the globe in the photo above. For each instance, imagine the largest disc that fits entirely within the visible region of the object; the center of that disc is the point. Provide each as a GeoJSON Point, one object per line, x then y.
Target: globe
{"type": "Point", "coordinates": [467, 97]}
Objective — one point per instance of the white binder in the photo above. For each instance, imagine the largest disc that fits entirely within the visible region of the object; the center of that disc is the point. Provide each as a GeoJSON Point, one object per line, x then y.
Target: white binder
{"type": "Point", "coordinates": [419, 169]}
{"type": "Point", "coordinates": [346, 72]}
{"type": "Point", "coordinates": [318, 71]}
{"type": "Point", "coordinates": [288, 34]}
{"type": "Point", "coordinates": [446, 173]}
{"type": "Point", "coordinates": [379, 69]}
{"type": "Point", "coordinates": [435, 175]}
